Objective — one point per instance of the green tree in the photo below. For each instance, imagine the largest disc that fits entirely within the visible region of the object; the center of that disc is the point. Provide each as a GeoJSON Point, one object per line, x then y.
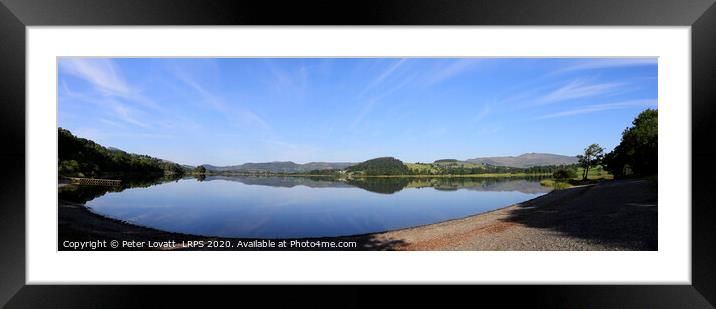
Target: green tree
{"type": "Point", "coordinates": [592, 156]}
{"type": "Point", "coordinates": [637, 153]}
{"type": "Point", "coordinates": [69, 167]}
{"type": "Point", "coordinates": [200, 170]}
{"type": "Point", "coordinates": [564, 174]}
{"type": "Point", "coordinates": [381, 166]}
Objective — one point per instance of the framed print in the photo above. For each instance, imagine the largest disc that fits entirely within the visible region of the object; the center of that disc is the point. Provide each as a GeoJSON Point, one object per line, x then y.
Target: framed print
{"type": "Point", "coordinates": [403, 143]}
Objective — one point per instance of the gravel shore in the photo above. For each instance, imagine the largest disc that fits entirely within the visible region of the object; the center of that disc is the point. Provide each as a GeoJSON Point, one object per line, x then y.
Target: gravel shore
{"type": "Point", "coordinates": [612, 215]}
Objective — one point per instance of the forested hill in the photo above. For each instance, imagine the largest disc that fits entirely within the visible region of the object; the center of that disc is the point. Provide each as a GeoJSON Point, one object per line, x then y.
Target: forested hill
{"type": "Point", "coordinates": [381, 166]}
{"type": "Point", "coordinates": [79, 157]}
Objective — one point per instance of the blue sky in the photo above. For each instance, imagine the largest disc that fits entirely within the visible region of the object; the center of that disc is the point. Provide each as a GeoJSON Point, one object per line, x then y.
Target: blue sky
{"type": "Point", "coordinates": [234, 110]}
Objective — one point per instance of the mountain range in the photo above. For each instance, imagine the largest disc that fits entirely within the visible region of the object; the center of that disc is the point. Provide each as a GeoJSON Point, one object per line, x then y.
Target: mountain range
{"type": "Point", "coordinates": [527, 160]}
{"type": "Point", "coordinates": [279, 167]}
{"type": "Point", "coordinates": [521, 161]}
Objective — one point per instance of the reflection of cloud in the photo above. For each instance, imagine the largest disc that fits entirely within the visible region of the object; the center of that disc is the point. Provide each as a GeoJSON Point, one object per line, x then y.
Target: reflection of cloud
{"type": "Point", "coordinates": [601, 107]}
{"type": "Point", "coordinates": [608, 63]}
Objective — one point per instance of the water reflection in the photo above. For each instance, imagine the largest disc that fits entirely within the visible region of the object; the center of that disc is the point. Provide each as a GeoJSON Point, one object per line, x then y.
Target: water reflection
{"type": "Point", "coordinates": [383, 185]}
{"type": "Point", "coordinates": [390, 185]}
{"type": "Point", "coordinates": [285, 207]}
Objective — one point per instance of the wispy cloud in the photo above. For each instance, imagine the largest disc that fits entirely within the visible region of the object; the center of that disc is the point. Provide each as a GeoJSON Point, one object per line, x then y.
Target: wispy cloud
{"type": "Point", "coordinates": [121, 102]}
{"type": "Point", "coordinates": [380, 78]}
{"type": "Point", "coordinates": [234, 112]}
{"type": "Point", "coordinates": [578, 89]}
{"type": "Point", "coordinates": [371, 102]}
{"type": "Point", "coordinates": [386, 73]}
{"type": "Point", "coordinates": [111, 123]}
{"type": "Point", "coordinates": [484, 112]}
{"type": "Point", "coordinates": [455, 68]}
{"type": "Point", "coordinates": [105, 78]}
{"type": "Point", "coordinates": [602, 107]}
{"type": "Point", "coordinates": [98, 71]}
{"type": "Point", "coordinates": [289, 82]}
{"type": "Point", "coordinates": [608, 63]}
{"type": "Point", "coordinates": [126, 114]}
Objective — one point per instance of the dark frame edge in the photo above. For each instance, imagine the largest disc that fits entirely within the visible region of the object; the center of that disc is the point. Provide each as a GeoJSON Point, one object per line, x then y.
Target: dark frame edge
{"type": "Point", "coordinates": [12, 135]}
{"type": "Point", "coordinates": [703, 97]}
{"type": "Point", "coordinates": [12, 197]}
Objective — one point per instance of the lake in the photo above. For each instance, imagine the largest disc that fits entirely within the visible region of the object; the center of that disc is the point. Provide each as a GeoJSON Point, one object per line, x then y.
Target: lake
{"type": "Point", "coordinates": [293, 207]}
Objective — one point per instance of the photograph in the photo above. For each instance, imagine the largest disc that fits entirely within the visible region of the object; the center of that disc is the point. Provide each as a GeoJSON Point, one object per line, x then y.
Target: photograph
{"type": "Point", "coordinates": [364, 153]}
{"type": "Point", "coordinates": [318, 153]}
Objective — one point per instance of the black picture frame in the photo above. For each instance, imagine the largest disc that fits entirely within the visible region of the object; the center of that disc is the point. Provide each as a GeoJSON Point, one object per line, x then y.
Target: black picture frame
{"type": "Point", "coordinates": [16, 15]}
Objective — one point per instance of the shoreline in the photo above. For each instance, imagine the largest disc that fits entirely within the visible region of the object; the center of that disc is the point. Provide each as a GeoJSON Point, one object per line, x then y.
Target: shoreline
{"type": "Point", "coordinates": [485, 175]}
{"type": "Point", "coordinates": [542, 223]}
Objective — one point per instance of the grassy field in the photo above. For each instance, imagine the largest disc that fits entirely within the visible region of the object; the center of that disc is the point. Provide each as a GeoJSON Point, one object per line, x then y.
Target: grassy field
{"type": "Point", "coordinates": [453, 176]}
{"type": "Point", "coordinates": [435, 167]}
{"type": "Point", "coordinates": [595, 174]}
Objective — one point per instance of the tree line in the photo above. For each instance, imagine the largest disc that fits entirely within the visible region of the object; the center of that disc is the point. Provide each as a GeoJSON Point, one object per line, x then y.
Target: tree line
{"type": "Point", "coordinates": [80, 157]}
{"type": "Point", "coordinates": [635, 156]}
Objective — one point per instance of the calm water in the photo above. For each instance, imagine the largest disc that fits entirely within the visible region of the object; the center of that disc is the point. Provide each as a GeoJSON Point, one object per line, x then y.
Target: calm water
{"type": "Point", "coordinates": [288, 207]}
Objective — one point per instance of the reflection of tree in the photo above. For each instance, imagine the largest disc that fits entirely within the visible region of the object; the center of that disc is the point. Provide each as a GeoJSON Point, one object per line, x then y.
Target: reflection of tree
{"type": "Point", "coordinates": [285, 181]}
{"type": "Point", "coordinates": [521, 184]}
{"type": "Point", "coordinates": [83, 194]}
{"type": "Point", "coordinates": [386, 185]}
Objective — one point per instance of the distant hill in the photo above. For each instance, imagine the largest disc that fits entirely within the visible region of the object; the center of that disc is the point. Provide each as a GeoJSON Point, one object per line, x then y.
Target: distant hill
{"type": "Point", "coordinates": [381, 166]}
{"type": "Point", "coordinates": [526, 160]}
{"type": "Point", "coordinates": [447, 161]}
{"type": "Point", "coordinates": [279, 167]}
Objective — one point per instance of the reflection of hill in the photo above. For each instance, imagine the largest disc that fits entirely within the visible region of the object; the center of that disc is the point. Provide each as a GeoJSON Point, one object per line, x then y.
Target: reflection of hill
{"type": "Point", "coordinates": [386, 185]}
{"type": "Point", "coordinates": [286, 181]}
{"type": "Point", "coordinates": [523, 185]}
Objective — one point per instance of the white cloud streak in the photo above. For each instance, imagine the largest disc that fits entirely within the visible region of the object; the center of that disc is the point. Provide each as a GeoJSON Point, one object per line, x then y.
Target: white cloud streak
{"type": "Point", "coordinates": [608, 64]}
{"type": "Point", "coordinates": [109, 89]}
{"type": "Point", "coordinates": [100, 72]}
{"type": "Point", "coordinates": [376, 82]}
{"type": "Point", "coordinates": [370, 103]}
{"type": "Point", "coordinates": [602, 107]}
{"type": "Point", "coordinates": [454, 69]}
{"type": "Point", "coordinates": [236, 113]}
{"type": "Point", "coordinates": [578, 89]}
{"type": "Point", "coordinates": [105, 78]}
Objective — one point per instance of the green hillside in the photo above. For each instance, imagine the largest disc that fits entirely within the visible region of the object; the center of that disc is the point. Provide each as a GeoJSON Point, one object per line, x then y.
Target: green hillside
{"type": "Point", "coordinates": [380, 166]}
{"type": "Point", "coordinates": [79, 157]}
